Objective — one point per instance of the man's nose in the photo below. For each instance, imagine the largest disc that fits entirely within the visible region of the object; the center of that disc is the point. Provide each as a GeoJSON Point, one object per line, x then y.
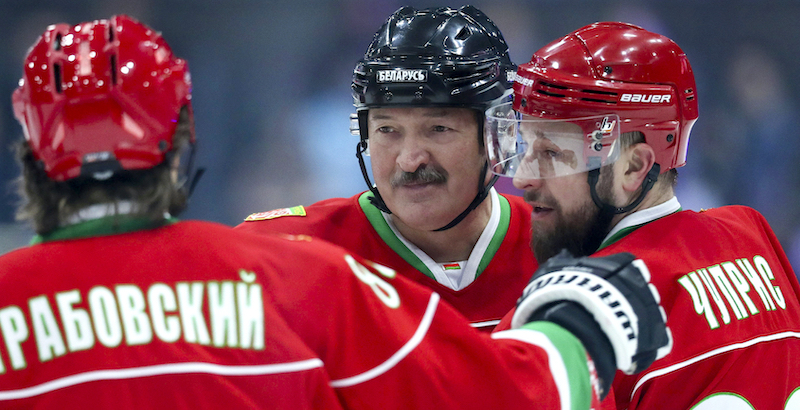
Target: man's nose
{"type": "Point", "coordinates": [523, 182]}
{"type": "Point", "coordinates": [413, 154]}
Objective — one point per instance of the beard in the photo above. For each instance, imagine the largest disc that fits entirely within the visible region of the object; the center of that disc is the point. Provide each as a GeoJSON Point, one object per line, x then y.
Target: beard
{"type": "Point", "coordinates": [581, 231]}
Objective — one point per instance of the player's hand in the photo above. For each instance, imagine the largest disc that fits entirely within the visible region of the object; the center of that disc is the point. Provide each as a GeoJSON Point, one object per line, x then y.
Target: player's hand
{"type": "Point", "coordinates": [608, 303]}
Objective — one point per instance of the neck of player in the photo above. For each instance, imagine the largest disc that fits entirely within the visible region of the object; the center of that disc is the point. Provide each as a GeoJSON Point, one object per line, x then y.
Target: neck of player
{"type": "Point", "coordinates": [454, 244]}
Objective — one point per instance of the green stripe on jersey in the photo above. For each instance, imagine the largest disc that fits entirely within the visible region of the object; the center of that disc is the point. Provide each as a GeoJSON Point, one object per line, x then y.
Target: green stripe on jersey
{"type": "Point", "coordinates": [109, 225]}
{"type": "Point", "coordinates": [383, 229]}
{"type": "Point", "coordinates": [574, 356]}
{"type": "Point", "coordinates": [499, 234]}
{"type": "Point", "coordinates": [375, 218]}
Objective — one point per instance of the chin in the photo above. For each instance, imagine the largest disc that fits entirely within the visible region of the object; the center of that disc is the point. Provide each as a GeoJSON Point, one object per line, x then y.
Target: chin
{"type": "Point", "coordinates": [421, 219]}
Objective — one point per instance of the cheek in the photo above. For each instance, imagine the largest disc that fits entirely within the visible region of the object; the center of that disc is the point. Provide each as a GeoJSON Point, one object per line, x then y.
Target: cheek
{"type": "Point", "coordinates": [572, 194]}
{"type": "Point", "coordinates": [382, 165]}
{"type": "Point", "coordinates": [465, 162]}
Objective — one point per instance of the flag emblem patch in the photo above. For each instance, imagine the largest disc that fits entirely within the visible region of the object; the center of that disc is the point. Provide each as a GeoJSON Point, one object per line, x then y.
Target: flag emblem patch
{"type": "Point", "coordinates": [276, 213]}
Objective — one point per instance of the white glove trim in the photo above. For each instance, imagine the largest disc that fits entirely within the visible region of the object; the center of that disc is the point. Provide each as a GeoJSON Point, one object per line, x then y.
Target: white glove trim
{"type": "Point", "coordinates": [601, 299]}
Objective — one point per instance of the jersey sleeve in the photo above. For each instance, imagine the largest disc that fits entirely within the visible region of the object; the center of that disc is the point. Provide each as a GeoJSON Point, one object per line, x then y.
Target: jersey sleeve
{"type": "Point", "coordinates": [391, 343]}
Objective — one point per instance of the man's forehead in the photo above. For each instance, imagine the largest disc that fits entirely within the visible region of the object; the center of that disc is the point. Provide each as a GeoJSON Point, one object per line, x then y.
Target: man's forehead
{"type": "Point", "coordinates": [427, 112]}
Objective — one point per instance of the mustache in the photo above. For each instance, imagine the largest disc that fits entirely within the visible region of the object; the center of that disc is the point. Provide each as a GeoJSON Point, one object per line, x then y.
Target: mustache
{"type": "Point", "coordinates": [424, 175]}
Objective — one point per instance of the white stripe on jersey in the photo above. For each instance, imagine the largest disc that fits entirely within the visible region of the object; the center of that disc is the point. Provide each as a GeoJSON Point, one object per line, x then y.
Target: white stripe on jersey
{"type": "Point", "coordinates": [487, 323]}
{"type": "Point", "coordinates": [162, 369]}
{"type": "Point", "coordinates": [404, 351]}
{"type": "Point", "coordinates": [556, 363]}
{"type": "Point", "coordinates": [721, 350]}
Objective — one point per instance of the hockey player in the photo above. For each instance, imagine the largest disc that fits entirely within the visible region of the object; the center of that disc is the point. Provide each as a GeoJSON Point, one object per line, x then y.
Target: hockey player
{"type": "Point", "coordinates": [117, 305]}
{"type": "Point", "coordinates": [432, 214]}
{"type": "Point", "coordinates": [612, 104]}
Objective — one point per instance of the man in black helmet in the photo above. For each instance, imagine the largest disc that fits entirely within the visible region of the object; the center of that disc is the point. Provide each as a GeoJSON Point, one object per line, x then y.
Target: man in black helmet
{"type": "Point", "coordinates": [420, 92]}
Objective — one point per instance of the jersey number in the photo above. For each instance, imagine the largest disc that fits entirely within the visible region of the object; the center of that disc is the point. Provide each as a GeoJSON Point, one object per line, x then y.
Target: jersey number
{"type": "Point", "coordinates": [385, 292]}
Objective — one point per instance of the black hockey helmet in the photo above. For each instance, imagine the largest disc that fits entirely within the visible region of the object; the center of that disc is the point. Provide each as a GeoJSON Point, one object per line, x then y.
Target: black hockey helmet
{"type": "Point", "coordinates": [432, 57]}
{"type": "Point", "coordinates": [438, 56]}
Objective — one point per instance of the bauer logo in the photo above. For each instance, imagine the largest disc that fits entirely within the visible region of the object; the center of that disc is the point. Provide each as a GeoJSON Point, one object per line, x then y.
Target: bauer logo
{"type": "Point", "coordinates": [402, 76]}
{"type": "Point", "coordinates": [646, 98]}
{"type": "Point", "coordinates": [524, 81]}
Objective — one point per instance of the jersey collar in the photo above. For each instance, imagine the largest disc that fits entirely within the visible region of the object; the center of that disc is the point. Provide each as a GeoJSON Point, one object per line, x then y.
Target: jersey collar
{"type": "Point", "coordinates": [102, 220]}
{"type": "Point", "coordinates": [635, 220]}
{"type": "Point", "coordinates": [488, 243]}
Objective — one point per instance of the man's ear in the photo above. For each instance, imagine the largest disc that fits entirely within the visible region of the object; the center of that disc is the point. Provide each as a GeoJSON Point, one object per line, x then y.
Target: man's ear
{"type": "Point", "coordinates": [639, 158]}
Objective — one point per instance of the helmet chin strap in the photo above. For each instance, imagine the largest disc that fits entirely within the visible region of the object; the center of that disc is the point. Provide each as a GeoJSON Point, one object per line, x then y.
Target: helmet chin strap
{"type": "Point", "coordinates": [376, 198]}
{"type": "Point", "coordinates": [647, 184]}
{"type": "Point", "coordinates": [483, 192]}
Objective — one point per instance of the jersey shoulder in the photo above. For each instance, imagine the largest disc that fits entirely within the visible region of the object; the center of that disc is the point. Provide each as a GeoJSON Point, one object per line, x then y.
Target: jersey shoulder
{"type": "Point", "coordinates": [314, 219]}
{"type": "Point", "coordinates": [321, 207]}
{"type": "Point", "coordinates": [734, 213]}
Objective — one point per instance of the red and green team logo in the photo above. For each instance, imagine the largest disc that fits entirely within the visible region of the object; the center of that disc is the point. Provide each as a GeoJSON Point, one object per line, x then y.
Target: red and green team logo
{"type": "Point", "coordinates": [451, 266]}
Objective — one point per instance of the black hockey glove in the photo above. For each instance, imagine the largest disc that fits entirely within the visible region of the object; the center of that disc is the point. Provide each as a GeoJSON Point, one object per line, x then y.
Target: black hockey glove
{"type": "Point", "coordinates": [608, 303]}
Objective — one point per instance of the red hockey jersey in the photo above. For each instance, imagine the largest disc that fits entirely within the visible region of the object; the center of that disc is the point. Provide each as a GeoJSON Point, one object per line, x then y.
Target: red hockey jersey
{"type": "Point", "coordinates": [197, 315]}
{"type": "Point", "coordinates": [732, 304]}
{"type": "Point", "coordinates": [502, 262]}
{"type": "Point", "coordinates": [731, 300]}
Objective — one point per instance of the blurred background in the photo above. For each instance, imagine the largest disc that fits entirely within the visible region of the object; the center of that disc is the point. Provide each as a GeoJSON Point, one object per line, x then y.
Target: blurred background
{"type": "Point", "coordinates": [272, 92]}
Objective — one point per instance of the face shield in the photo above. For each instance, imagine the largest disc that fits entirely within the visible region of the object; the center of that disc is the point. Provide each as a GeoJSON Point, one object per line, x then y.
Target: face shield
{"type": "Point", "coordinates": [524, 146]}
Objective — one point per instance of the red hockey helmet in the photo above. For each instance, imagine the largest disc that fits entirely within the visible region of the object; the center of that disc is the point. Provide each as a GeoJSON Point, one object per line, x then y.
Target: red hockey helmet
{"type": "Point", "coordinates": [615, 69]}
{"type": "Point", "coordinates": [101, 96]}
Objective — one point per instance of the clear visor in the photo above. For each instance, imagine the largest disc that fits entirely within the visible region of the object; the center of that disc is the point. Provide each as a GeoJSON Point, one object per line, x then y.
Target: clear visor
{"type": "Point", "coordinates": [530, 147]}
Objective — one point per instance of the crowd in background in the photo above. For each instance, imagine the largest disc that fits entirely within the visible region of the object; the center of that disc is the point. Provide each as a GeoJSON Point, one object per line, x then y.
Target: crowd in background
{"type": "Point", "coordinates": [272, 95]}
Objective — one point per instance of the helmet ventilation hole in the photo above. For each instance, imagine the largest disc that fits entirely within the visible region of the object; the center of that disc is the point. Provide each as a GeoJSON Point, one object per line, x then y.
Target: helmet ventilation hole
{"type": "Point", "coordinates": [462, 34]}
{"type": "Point", "coordinates": [57, 78]}
{"type": "Point", "coordinates": [57, 43]}
{"type": "Point", "coordinates": [113, 69]}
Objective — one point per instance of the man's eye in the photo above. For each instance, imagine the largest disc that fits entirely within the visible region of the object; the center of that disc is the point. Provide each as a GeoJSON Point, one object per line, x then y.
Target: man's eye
{"type": "Point", "coordinates": [440, 128]}
{"type": "Point", "coordinates": [552, 153]}
{"type": "Point", "coordinates": [385, 129]}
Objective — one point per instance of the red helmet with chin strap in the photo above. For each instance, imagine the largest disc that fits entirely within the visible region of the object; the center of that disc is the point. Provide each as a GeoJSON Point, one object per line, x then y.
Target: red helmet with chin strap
{"type": "Point", "coordinates": [615, 68]}
{"type": "Point", "coordinates": [101, 96]}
